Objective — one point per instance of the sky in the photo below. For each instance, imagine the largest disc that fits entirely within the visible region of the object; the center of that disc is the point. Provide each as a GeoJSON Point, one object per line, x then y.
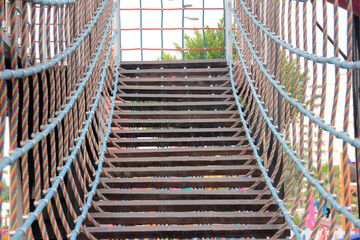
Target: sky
{"type": "Point", "coordinates": [171, 19]}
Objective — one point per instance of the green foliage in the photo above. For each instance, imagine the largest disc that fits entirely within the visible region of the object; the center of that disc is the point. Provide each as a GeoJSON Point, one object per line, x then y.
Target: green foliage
{"type": "Point", "coordinates": [291, 82]}
{"type": "Point", "coordinates": [5, 193]}
{"type": "Point", "coordinates": [168, 56]}
{"type": "Point", "coordinates": [214, 39]}
{"type": "Point", "coordinates": [297, 219]}
{"type": "Point", "coordinates": [326, 178]}
{"type": "Point", "coordinates": [296, 185]}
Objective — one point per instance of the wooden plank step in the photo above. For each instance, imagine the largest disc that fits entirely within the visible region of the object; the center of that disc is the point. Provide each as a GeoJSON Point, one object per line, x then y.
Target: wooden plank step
{"type": "Point", "coordinates": [174, 64]}
{"type": "Point", "coordinates": [181, 171]}
{"type": "Point", "coordinates": [175, 72]}
{"type": "Point", "coordinates": [173, 89]}
{"type": "Point", "coordinates": [174, 97]}
{"type": "Point", "coordinates": [200, 182]}
{"type": "Point", "coordinates": [163, 142]}
{"type": "Point", "coordinates": [187, 231]}
{"type": "Point", "coordinates": [139, 218]}
{"type": "Point", "coordinates": [156, 194]}
{"type": "Point", "coordinates": [175, 114]}
{"type": "Point", "coordinates": [177, 123]}
{"type": "Point", "coordinates": [176, 106]}
{"type": "Point", "coordinates": [166, 152]}
{"type": "Point", "coordinates": [179, 132]}
{"type": "Point", "coordinates": [186, 205]}
{"type": "Point", "coordinates": [197, 81]}
{"type": "Point", "coordinates": [179, 161]}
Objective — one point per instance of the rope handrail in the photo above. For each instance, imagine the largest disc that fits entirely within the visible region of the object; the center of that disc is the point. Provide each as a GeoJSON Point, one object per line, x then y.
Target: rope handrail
{"type": "Point", "coordinates": [97, 180]}
{"type": "Point", "coordinates": [312, 57]}
{"type": "Point", "coordinates": [308, 151]}
{"type": "Point", "coordinates": [327, 127]}
{"type": "Point", "coordinates": [256, 155]}
{"type": "Point", "coordinates": [29, 144]}
{"type": "Point", "coordinates": [64, 169]}
{"type": "Point", "coordinates": [52, 2]}
{"type": "Point", "coordinates": [290, 153]}
{"type": "Point", "coordinates": [29, 71]}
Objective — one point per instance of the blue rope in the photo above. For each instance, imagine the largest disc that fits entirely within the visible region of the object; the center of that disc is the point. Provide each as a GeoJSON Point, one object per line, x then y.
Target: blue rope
{"type": "Point", "coordinates": [60, 178]}
{"type": "Point", "coordinates": [53, 2]}
{"type": "Point", "coordinates": [224, 28]}
{"type": "Point", "coordinates": [19, 152]}
{"type": "Point", "coordinates": [30, 71]}
{"type": "Point", "coordinates": [299, 106]}
{"type": "Point", "coordinates": [273, 190]}
{"type": "Point", "coordinates": [203, 27]}
{"type": "Point", "coordinates": [141, 34]}
{"type": "Point", "coordinates": [21, 13]}
{"type": "Point", "coordinates": [182, 32]}
{"type": "Point", "coordinates": [312, 181]}
{"type": "Point", "coordinates": [331, 60]}
{"type": "Point", "coordinates": [162, 30]}
{"type": "Point", "coordinates": [96, 182]}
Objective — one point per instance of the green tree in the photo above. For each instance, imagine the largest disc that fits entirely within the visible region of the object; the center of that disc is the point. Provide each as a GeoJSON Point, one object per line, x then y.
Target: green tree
{"type": "Point", "coordinates": [5, 191]}
{"type": "Point", "coordinates": [295, 87]}
{"type": "Point", "coordinates": [168, 56]}
{"type": "Point", "coordinates": [213, 39]}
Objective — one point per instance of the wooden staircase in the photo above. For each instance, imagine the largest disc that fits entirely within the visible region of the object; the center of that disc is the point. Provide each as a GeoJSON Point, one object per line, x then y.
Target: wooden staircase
{"type": "Point", "coordinates": [180, 163]}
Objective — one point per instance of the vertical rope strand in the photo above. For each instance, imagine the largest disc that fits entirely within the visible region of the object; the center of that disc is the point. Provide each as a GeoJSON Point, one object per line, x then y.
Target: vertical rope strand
{"type": "Point", "coordinates": [333, 118]}
{"type": "Point", "coordinates": [3, 105]}
{"type": "Point", "coordinates": [141, 32]}
{"type": "Point", "coordinates": [322, 115]}
{"type": "Point", "coordinates": [14, 117]}
{"type": "Point", "coordinates": [349, 76]}
{"type": "Point", "coordinates": [182, 31]}
{"type": "Point", "coordinates": [312, 107]}
{"type": "Point", "coordinates": [203, 27]}
{"type": "Point", "coordinates": [25, 113]}
{"type": "Point", "coordinates": [162, 30]}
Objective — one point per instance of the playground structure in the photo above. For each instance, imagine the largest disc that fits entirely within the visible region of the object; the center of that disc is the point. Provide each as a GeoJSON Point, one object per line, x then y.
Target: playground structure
{"type": "Point", "coordinates": [78, 114]}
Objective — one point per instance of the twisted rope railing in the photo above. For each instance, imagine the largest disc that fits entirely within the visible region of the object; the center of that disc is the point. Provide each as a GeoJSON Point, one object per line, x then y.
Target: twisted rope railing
{"type": "Point", "coordinates": [274, 95]}
{"type": "Point", "coordinates": [265, 176]}
{"type": "Point", "coordinates": [55, 121]}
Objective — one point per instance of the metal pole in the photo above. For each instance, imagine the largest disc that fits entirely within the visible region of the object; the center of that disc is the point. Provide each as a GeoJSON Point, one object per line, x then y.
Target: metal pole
{"type": "Point", "coordinates": [162, 30]}
{"type": "Point", "coordinates": [228, 27]}
{"type": "Point", "coordinates": [116, 27]}
{"type": "Point", "coordinates": [356, 98]}
{"type": "Point", "coordinates": [203, 27]}
{"type": "Point", "coordinates": [182, 32]}
{"type": "Point", "coordinates": [141, 33]}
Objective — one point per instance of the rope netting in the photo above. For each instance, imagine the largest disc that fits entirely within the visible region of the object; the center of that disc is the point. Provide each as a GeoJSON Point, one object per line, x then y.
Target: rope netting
{"type": "Point", "coordinates": [58, 81]}
{"type": "Point", "coordinates": [166, 23]}
{"type": "Point", "coordinates": [295, 91]}
{"type": "Point", "coordinates": [57, 75]}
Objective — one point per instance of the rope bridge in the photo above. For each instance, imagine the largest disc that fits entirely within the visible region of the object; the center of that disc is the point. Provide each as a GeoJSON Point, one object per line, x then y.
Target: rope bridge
{"type": "Point", "coordinates": [59, 84]}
